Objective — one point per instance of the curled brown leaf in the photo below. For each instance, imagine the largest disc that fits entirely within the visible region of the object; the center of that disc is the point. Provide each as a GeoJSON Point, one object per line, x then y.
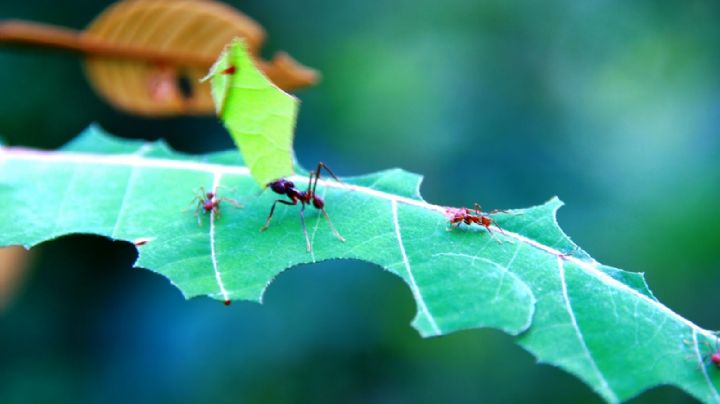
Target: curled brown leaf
{"type": "Point", "coordinates": [146, 56]}
{"type": "Point", "coordinates": [13, 265]}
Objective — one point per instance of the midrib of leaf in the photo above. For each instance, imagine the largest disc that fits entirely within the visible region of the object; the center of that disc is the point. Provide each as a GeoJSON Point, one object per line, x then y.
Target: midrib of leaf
{"type": "Point", "coordinates": [135, 161]}
{"type": "Point", "coordinates": [213, 256]}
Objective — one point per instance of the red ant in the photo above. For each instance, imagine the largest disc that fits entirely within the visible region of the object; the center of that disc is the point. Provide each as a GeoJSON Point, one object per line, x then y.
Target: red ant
{"type": "Point", "coordinates": [287, 187]}
{"type": "Point", "coordinates": [209, 202]}
{"type": "Point", "coordinates": [468, 216]}
{"type": "Point", "coordinates": [229, 70]}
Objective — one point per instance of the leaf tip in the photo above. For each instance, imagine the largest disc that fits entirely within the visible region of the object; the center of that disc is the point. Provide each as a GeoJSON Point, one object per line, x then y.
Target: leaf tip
{"type": "Point", "coordinates": [555, 202]}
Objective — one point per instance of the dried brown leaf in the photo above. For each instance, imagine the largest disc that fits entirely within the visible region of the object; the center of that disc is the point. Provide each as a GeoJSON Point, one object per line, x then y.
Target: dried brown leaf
{"type": "Point", "coordinates": [197, 28]}
{"type": "Point", "coordinates": [13, 264]}
{"type": "Point", "coordinates": [146, 56]}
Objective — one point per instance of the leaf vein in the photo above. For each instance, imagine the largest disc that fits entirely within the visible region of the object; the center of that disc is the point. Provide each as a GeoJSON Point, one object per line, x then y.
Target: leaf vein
{"type": "Point", "coordinates": [213, 255]}
{"type": "Point", "coordinates": [578, 333]}
{"type": "Point", "coordinates": [413, 285]}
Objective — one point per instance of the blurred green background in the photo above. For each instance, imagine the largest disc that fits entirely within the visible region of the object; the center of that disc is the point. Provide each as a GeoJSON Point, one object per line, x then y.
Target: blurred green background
{"type": "Point", "coordinates": [611, 105]}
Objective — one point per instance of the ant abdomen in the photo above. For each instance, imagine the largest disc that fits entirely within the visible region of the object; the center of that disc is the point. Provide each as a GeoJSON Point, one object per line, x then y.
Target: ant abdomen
{"type": "Point", "coordinates": [318, 203]}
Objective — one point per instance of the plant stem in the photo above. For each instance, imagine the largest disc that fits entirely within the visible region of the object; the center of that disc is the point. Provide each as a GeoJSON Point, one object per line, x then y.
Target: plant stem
{"type": "Point", "coordinates": [43, 35]}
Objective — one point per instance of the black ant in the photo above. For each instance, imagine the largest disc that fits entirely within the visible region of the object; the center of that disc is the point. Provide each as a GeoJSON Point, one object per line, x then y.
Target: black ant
{"type": "Point", "coordinates": [209, 202]}
{"type": "Point", "coordinates": [470, 216]}
{"type": "Point", "coordinates": [286, 187]}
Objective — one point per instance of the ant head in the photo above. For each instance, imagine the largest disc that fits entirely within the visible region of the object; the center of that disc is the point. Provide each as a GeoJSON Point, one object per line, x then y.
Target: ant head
{"type": "Point", "coordinates": [318, 202]}
{"type": "Point", "coordinates": [281, 186]}
{"type": "Point", "coordinates": [210, 195]}
{"type": "Point", "coordinates": [486, 221]}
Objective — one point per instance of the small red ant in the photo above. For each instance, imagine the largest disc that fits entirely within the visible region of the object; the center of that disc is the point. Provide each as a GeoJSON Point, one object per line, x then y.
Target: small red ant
{"type": "Point", "coordinates": [286, 187]}
{"type": "Point", "coordinates": [230, 70]}
{"type": "Point", "coordinates": [209, 202]}
{"type": "Point", "coordinates": [468, 216]}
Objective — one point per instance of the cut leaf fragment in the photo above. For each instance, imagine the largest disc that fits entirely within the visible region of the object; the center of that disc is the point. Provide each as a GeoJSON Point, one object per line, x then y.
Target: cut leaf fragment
{"type": "Point", "coordinates": [259, 116]}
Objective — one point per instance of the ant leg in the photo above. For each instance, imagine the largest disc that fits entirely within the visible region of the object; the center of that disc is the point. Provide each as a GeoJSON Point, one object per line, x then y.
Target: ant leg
{"type": "Point", "coordinates": [302, 221]}
{"type": "Point", "coordinates": [320, 166]}
{"type": "Point", "coordinates": [223, 187]}
{"type": "Point", "coordinates": [232, 202]}
{"type": "Point", "coordinates": [323, 165]}
{"type": "Point", "coordinates": [272, 210]}
{"type": "Point", "coordinates": [492, 235]}
{"type": "Point", "coordinates": [489, 231]}
{"type": "Point", "coordinates": [505, 211]}
{"type": "Point", "coordinates": [334, 230]}
{"type": "Point", "coordinates": [499, 228]}
{"type": "Point", "coordinates": [310, 183]}
{"type": "Point", "coordinates": [196, 200]}
{"type": "Point", "coordinates": [197, 214]}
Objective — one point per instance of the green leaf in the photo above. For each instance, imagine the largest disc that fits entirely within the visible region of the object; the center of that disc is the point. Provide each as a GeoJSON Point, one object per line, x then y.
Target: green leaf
{"type": "Point", "coordinates": [259, 116]}
{"type": "Point", "coordinates": [529, 280]}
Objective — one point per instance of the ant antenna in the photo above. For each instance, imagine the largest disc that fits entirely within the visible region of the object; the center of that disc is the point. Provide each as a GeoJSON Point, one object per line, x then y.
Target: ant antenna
{"type": "Point", "coordinates": [332, 228]}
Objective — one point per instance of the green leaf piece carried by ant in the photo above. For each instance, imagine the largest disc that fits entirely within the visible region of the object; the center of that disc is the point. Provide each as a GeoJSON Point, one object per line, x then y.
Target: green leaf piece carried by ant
{"type": "Point", "coordinates": [259, 116]}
